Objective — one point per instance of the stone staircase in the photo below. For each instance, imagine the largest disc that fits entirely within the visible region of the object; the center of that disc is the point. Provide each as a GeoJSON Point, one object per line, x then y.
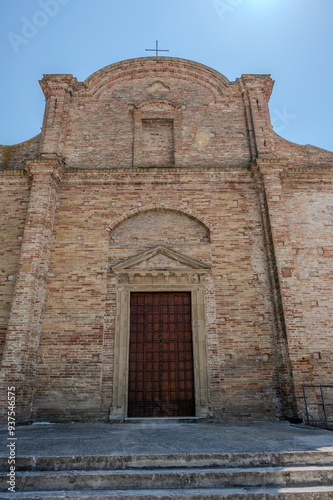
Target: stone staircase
{"type": "Point", "coordinates": [260, 476]}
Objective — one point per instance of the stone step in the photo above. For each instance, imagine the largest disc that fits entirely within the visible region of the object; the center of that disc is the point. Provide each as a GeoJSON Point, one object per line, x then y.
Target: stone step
{"type": "Point", "coordinates": [172, 478]}
{"type": "Point", "coordinates": [120, 462]}
{"type": "Point", "coordinates": [285, 493]}
{"type": "Point", "coordinates": [163, 420]}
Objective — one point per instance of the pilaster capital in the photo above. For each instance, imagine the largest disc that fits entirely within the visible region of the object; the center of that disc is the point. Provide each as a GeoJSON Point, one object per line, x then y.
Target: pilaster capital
{"type": "Point", "coordinates": [43, 168]}
{"type": "Point", "coordinates": [270, 166]}
{"type": "Point", "coordinates": [259, 84]}
{"type": "Point", "coordinates": [54, 85]}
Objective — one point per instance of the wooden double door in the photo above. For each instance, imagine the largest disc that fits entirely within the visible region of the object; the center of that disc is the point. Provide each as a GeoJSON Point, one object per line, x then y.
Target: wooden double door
{"type": "Point", "coordinates": [161, 379]}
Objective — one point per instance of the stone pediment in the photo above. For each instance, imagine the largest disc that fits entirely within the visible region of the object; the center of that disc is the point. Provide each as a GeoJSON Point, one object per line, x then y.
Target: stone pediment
{"type": "Point", "coordinates": [160, 258]}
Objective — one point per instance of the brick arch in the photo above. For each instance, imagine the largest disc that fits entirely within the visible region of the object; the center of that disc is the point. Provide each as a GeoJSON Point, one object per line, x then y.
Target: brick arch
{"type": "Point", "coordinates": [156, 103]}
{"type": "Point", "coordinates": [154, 208]}
{"type": "Point", "coordinates": [183, 69]}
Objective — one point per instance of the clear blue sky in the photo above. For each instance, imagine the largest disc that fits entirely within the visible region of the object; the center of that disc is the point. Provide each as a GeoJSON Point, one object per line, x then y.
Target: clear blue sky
{"type": "Point", "coordinates": [290, 39]}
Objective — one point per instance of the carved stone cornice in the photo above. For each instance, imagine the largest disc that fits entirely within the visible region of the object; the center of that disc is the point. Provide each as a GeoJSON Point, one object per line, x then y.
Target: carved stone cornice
{"type": "Point", "coordinates": [190, 264]}
{"type": "Point", "coordinates": [191, 273]}
{"type": "Point", "coordinates": [172, 277]}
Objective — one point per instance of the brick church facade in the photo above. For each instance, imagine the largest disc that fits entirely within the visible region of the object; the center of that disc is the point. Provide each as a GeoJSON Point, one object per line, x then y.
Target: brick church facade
{"type": "Point", "coordinates": [163, 251]}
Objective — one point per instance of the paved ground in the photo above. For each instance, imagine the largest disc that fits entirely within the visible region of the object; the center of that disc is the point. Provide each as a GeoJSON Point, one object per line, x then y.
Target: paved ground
{"type": "Point", "coordinates": [144, 439]}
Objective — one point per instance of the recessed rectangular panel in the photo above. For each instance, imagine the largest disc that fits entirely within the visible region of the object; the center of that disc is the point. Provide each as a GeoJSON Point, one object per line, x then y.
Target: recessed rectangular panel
{"type": "Point", "coordinates": [158, 142]}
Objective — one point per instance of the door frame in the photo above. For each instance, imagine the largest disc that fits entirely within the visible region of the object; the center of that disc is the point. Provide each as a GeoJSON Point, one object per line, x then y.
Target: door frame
{"type": "Point", "coordinates": [191, 280]}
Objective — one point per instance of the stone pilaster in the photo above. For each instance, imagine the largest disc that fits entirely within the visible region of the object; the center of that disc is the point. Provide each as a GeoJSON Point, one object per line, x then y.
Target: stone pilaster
{"type": "Point", "coordinates": [291, 343]}
{"type": "Point", "coordinates": [256, 91]}
{"type": "Point", "coordinates": [58, 91]}
{"type": "Point", "coordinates": [22, 339]}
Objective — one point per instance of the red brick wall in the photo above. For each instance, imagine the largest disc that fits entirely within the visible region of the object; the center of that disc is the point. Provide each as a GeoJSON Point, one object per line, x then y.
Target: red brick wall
{"type": "Point", "coordinates": [76, 351]}
{"type": "Point", "coordinates": [14, 199]}
{"type": "Point", "coordinates": [209, 120]}
{"type": "Point", "coordinates": [310, 213]}
{"type": "Point", "coordinates": [303, 156]}
{"type": "Point", "coordinates": [255, 207]}
{"type": "Point", "coordinates": [14, 157]}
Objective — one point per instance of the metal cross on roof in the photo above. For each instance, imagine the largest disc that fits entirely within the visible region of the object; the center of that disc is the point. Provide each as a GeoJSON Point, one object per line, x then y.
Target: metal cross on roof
{"type": "Point", "coordinates": [157, 49]}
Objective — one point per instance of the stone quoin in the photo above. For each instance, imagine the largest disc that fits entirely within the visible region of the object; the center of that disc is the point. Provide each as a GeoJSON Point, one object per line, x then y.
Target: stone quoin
{"type": "Point", "coordinates": [163, 248]}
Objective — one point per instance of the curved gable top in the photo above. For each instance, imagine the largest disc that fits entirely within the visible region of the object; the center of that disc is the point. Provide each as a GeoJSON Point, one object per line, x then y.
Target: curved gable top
{"type": "Point", "coordinates": [129, 69]}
